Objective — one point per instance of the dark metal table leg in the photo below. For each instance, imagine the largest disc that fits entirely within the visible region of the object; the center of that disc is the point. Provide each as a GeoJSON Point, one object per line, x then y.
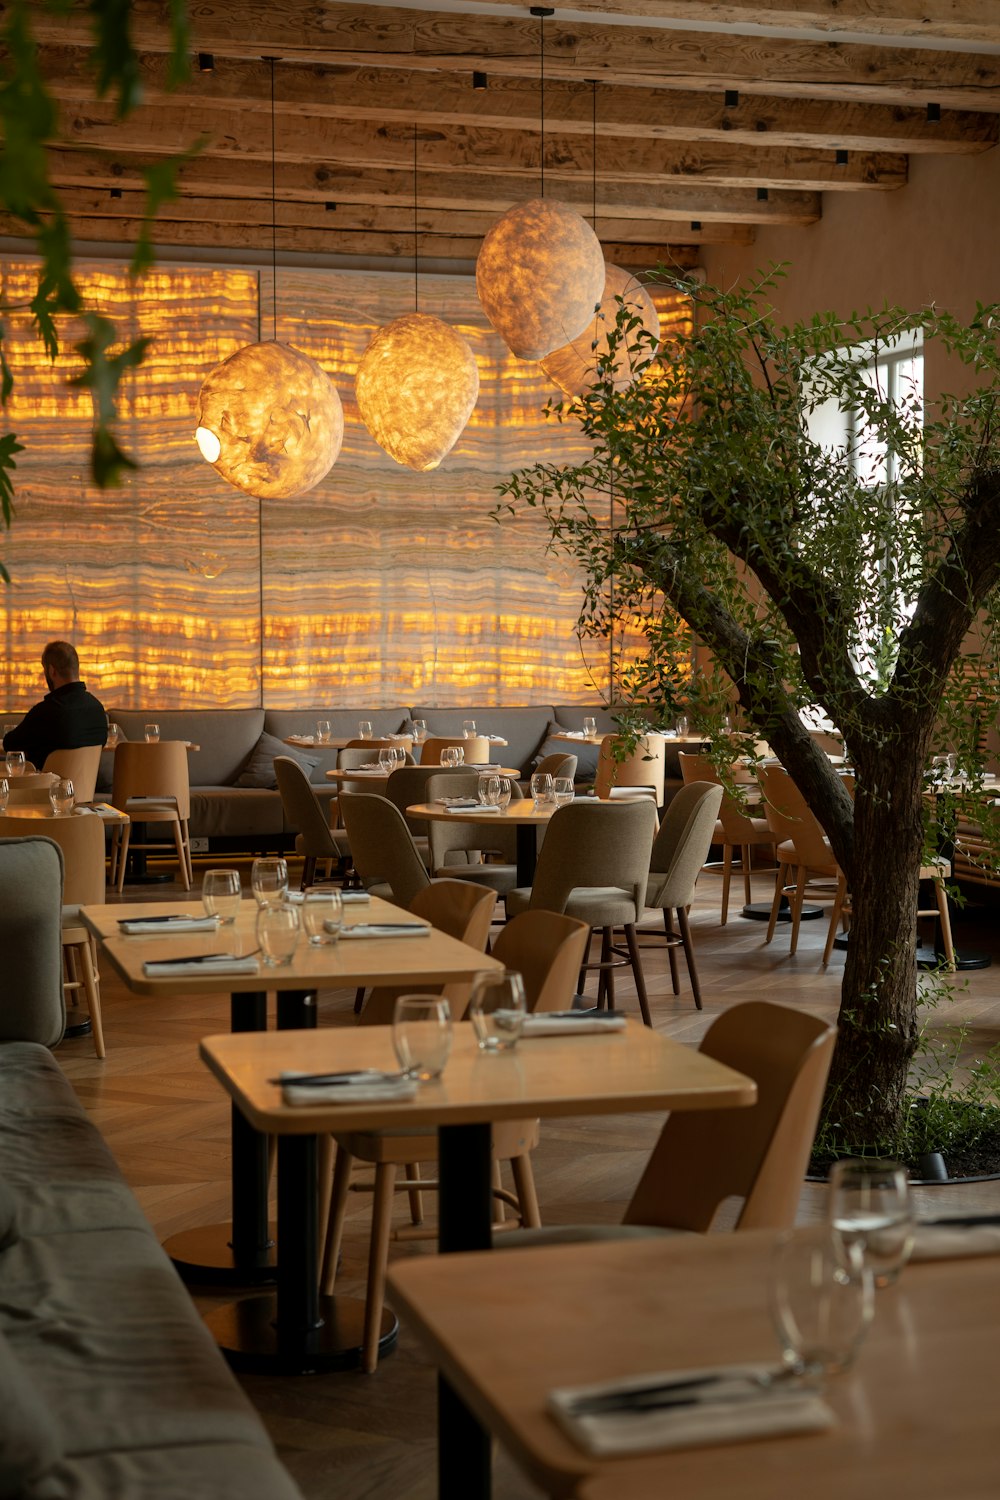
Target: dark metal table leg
{"type": "Point", "coordinates": [527, 853]}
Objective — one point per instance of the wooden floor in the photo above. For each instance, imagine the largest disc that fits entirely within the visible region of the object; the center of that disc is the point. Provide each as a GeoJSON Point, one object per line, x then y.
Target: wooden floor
{"type": "Point", "coordinates": [351, 1435]}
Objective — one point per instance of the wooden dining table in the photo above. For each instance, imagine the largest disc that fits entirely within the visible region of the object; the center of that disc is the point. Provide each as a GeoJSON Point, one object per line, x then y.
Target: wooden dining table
{"type": "Point", "coordinates": [914, 1415]}
{"type": "Point", "coordinates": [632, 1070]}
{"type": "Point", "coordinates": [525, 817]}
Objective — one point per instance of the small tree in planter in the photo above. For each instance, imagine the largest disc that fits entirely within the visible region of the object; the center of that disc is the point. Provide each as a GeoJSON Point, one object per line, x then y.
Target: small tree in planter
{"type": "Point", "coordinates": [847, 578]}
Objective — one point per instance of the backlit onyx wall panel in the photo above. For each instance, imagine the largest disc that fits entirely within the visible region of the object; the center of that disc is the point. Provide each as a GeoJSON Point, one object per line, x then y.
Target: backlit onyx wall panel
{"type": "Point", "coordinates": [379, 586]}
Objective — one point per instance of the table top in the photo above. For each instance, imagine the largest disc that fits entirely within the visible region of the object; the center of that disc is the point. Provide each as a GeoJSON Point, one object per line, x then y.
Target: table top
{"type": "Point", "coordinates": [626, 1071]}
{"type": "Point", "coordinates": [43, 810]}
{"type": "Point", "coordinates": [376, 773]}
{"type": "Point", "coordinates": [521, 811]}
{"type": "Point", "coordinates": [435, 959]}
{"type": "Point", "coordinates": [569, 738]}
{"type": "Point", "coordinates": [915, 1414]}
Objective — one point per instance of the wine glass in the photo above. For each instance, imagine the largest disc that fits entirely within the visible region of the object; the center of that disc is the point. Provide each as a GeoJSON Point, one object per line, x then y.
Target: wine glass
{"type": "Point", "coordinates": [419, 731]}
{"type": "Point", "coordinates": [590, 729]}
{"type": "Point", "coordinates": [469, 729]}
{"type": "Point", "coordinates": [365, 729]}
{"type": "Point", "coordinates": [322, 914]}
{"type": "Point", "coordinates": [151, 733]}
{"type": "Point", "coordinates": [221, 894]}
{"type": "Point", "coordinates": [278, 933]}
{"type": "Point", "coordinates": [870, 1205]}
{"type": "Point", "coordinates": [15, 762]}
{"type": "Point", "coordinates": [421, 1035]}
{"type": "Point", "coordinates": [822, 1300]}
{"type": "Point", "coordinates": [387, 759]}
{"type": "Point", "coordinates": [503, 793]}
{"type": "Point", "coordinates": [562, 790]}
{"type": "Point", "coordinates": [269, 880]}
{"type": "Point", "coordinates": [398, 755]}
{"type": "Point", "coordinates": [541, 789]}
{"type": "Point", "coordinates": [448, 756]}
{"type": "Point", "coordinates": [4, 793]}
{"type": "Point", "coordinates": [489, 789]}
{"type": "Point", "coordinates": [497, 1010]}
{"type": "Point", "coordinates": [323, 731]}
{"type": "Point", "coordinates": [62, 795]}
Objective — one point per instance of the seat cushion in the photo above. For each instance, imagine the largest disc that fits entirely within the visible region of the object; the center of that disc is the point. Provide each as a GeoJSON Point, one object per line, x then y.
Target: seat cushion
{"type": "Point", "coordinates": [599, 906]}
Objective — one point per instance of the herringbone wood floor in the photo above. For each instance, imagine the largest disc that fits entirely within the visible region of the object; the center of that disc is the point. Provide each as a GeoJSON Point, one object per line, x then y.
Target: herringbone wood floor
{"type": "Point", "coordinates": [372, 1437]}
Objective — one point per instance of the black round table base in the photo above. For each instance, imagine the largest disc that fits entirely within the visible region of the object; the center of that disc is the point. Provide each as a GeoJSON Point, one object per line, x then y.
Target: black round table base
{"type": "Point", "coordinates": [204, 1257]}
{"type": "Point", "coordinates": [927, 958]}
{"type": "Point", "coordinates": [78, 1028]}
{"type": "Point", "coordinates": [760, 911]}
{"type": "Point", "coordinates": [246, 1334]}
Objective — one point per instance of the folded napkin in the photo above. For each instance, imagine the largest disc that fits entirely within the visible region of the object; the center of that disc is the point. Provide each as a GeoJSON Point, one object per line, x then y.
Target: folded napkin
{"type": "Point", "coordinates": [367, 1085]}
{"type": "Point", "coordinates": [161, 926]}
{"type": "Point", "coordinates": [697, 1408]}
{"type": "Point", "coordinates": [295, 898]}
{"type": "Point", "coordinates": [944, 1241]}
{"type": "Point", "coordinates": [366, 771]}
{"type": "Point", "coordinates": [461, 803]}
{"type": "Point", "coordinates": [384, 930]}
{"type": "Point", "coordinates": [210, 963]}
{"type": "Point", "coordinates": [571, 1023]}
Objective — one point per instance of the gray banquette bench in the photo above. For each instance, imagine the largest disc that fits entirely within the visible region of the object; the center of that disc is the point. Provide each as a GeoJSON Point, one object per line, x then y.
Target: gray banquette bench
{"type": "Point", "coordinates": [233, 795]}
{"type": "Point", "coordinates": [110, 1385]}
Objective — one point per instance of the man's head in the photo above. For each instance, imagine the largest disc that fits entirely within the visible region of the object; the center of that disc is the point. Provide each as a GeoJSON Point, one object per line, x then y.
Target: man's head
{"type": "Point", "coordinates": [60, 664]}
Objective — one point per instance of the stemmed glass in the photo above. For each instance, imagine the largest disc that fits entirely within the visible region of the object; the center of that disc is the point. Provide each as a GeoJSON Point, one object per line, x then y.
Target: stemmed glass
{"type": "Point", "coordinates": [269, 880]}
{"type": "Point", "coordinates": [221, 894]}
{"type": "Point", "coordinates": [421, 1035]}
{"type": "Point", "coordinates": [497, 1010]}
{"type": "Point", "coordinates": [62, 795]}
{"type": "Point", "coordinates": [822, 1300]}
{"type": "Point", "coordinates": [870, 1205]}
{"type": "Point", "coordinates": [322, 914]}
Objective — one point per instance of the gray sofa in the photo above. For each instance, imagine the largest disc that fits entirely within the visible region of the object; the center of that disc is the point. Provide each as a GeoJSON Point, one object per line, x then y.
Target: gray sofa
{"type": "Point", "coordinates": [110, 1385]}
{"type": "Point", "coordinates": [238, 745]}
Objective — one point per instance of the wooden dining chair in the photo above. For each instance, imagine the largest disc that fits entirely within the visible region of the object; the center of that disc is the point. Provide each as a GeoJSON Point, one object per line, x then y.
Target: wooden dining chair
{"type": "Point", "coordinates": [759, 1155]}
{"type": "Point", "coordinates": [80, 765]}
{"type": "Point", "coordinates": [739, 833]}
{"type": "Point", "coordinates": [803, 850]}
{"type": "Point", "coordinates": [150, 783]}
{"type": "Point", "coordinates": [641, 769]}
{"type": "Point", "coordinates": [382, 847]}
{"type": "Point", "coordinates": [314, 839]}
{"type": "Point", "coordinates": [31, 874]}
{"type": "Point", "coordinates": [547, 950]}
{"type": "Point", "coordinates": [477, 749]}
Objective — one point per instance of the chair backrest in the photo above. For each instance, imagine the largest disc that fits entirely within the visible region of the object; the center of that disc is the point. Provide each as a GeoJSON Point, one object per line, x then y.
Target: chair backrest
{"type": "Point", "coordinates": [303, 810]}
{"type": "Point", "coordinates": [681, 847]}
{"type": "Point", "coordinates": [592, 843]}
{"type": "Point", "coordinates": [152, 770]}
{"type": "Point", "coordinates": [31, 894]}
{"type": "Point", "coordinates": [556, 764]}
{"type": "Point", "coordinates": [408, 784]}
{"type": "Point", "coordinates": [80, 765]}
{"type": "Point", "coordinates": [81, 839]}
{"type": "Point", "coordinates": [457, 837]}
{"type": "Point", "coordinates": [477, 750]}
{"type": "Point", "coordinates": [461, 909]}
{"type": "Point", "coordinates": [382, 846]}
{"type": "Point", "coordinates": [547, 949]}
{"type": "Point", "coordinates": [644, 766]}
{"type": "Point", "coordinates": [374, 745]}
{"type": "Point", "coordinates": [736, 825]}
{"type": "Point", "coordinates": [789, 816]}
{"type": "Point", "coordinates": [758, 1154]}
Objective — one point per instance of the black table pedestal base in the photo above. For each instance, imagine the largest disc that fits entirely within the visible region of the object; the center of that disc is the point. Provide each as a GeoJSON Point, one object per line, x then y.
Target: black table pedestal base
{"type": "Point", "coordinates": [246, 1333]}
{"type": "Point", "coordinates": [77, 1028]}
{"type": "Point", "coordinates": [205, 1257]}
{"type": "Point", "coordinates": [760, 911]}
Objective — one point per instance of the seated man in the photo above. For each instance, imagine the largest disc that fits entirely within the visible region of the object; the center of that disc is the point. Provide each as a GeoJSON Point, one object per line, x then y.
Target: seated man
{"type": "Point", "coordinates": [68, 716]}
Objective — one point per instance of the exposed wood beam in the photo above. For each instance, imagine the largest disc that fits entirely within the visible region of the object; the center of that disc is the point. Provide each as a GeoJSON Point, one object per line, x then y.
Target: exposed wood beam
{"type": "Point", "coordinates": [454, 190]}
{"type": "Point", "coordinates": [389, 95]}
{"type": "Point", "coordinates": [159, 128]}
{"type": "Point", "coordinates": [450, 41]}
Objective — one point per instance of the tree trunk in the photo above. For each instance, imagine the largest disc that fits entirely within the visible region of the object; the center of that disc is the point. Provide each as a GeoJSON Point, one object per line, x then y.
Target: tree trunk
{"type": "Point", "coordinates": [878, 1008]}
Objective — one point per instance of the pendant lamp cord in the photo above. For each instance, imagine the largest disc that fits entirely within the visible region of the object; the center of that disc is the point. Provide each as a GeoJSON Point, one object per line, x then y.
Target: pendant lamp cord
{"type": "Point", "coordinates": [416, 260]}
{"type": "Point", "coordinates": [274, 223]}
{"type": "Point", "coordinates": [541, 11]}
{"type": "Point", "coordinates": [593, 158]}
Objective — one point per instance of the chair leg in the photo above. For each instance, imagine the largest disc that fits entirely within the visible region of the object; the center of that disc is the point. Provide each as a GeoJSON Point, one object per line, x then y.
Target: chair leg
{"type": "Point", "coordinates": [745, 865]}
{"type": "Point", "coordinates": [640, 981]}
{"type": "Point", "coordinates": [798, 900]}
{"type": "Point", "coordinates": [123, 855]}
{"type": "Point", "coordinates": [182, 856]}
{"type": "Point", "coordinates": [727, 870]}
{"type": "Point", "coordinates": [779, 886]}
{"type": "Point", "coordinates": [324, 1189]}
{"type": "Point", "coordinates": [668, 927]}
{"type": "Point", "coordinates": [378, 1257]}
{"type": "Point", "coordinates": [359, 1000]}
{"type": "Point", "coordinates": [524, 1186]}
{"type": "Point", "coordinates": [945, 915]}
{"type": "Point", "coordinates": [414, 1194]}
{"type": "Point", "coordinates": [343, 1165]}
{"type": "Point", "coordinates": [836, 912]}
{"type": "Point", "coordinates": [308, 871]}
{"type": "Point", "coordinates": [685, 927]}
{"type": "Point", "coordinates": [499, 1207]}
{"type": "Point", "coordinates": [608, 973]}
{"type": "Point", "coordinates": [90, 975]}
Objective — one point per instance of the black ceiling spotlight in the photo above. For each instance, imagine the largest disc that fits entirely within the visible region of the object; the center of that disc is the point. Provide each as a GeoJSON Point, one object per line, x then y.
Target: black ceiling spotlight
{"type": "Point", "coordinates": [695, 226]}
{"type": "Point", "coordinates": [478, 80]}
{"type": "Point", "coordinates": [206, 62]}
{"type": "Point", "coordinates": [841, 158]}
{"type": "Point", "coordinates": [732, 98]}
{"type": "Point", "coordinates": [330, 207]}
{"type": "Point", "coordinates": [762, 195]}
{"type": "Point", "coordinates": [115, 192]}
{"type": "Point", "coordinates": [934, 114]}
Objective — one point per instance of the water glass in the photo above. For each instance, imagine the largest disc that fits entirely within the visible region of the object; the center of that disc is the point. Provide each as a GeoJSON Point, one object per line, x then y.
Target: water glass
{"type": "Point", "coordinates": [4, 793]}
{"type": "Point", "coordinates": [870, 1206]}
{"type": "Point", "coordinates": [364, 729]}
{"type": "Point", "coordinates": [497, 1010]}
{"type": "Point", "coordinates": [421, 1035]}
{"type": "Point", "coordinates": [114, 735]}
{"type": "Point", "coordinates": [15, 762]}
{"type": "Point", "coordinates": [221, 894]}
{"type": "Point", "coordinates": [489, 789]}
{"type": "Point", "coordinates": [278, 934]}
{"type": "Point", "coordinates": [590, 729]}
{"type": "Point", "coordinates": [822, 1300]}
{"type": "Point", "coordinates": [400, 753]}
{"type": "Point", "coordinates": [682, 726]}
{"type": "Point", "coordinates": [151, 733]}
{"type": "Point", "coordinates": [541, 789]}
{"type": "Point", "coordinates": [468, 729]}
{"type": "Point", "coordinates": [562, 790]}
{"type": "Point", "coordinates": [322, 914]}
{"type": "Point", "coordinates": [503, 793]}
{"type": "Point", "coordinates": [322, 731]}
{"type": "Point", "coordinates": [419, 731]}
{"type": "Point", "coordinates": [62, 795]}
{"type": "Point", "coordinates": [387, 759]}
{"type": "Point", "coordinates": [269, 880]}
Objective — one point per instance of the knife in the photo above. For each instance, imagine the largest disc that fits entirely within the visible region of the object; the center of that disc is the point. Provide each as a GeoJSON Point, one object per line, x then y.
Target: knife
{"type": "Point", "coordinates": [698, 1390]}
{"type": "Point", "coordinates": [321, 1080]}
{"type": "Point", "coordinates": [960, 1221]}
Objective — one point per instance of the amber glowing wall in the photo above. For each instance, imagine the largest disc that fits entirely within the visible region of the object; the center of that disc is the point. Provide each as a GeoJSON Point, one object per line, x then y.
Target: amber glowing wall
{"type": "Point", "coordinates": [380, 586]}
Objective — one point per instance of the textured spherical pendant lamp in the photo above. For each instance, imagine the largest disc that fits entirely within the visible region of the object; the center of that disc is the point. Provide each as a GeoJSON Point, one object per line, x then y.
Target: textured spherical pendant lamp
{"type": "Point", "coordinates": [270, 420]}
{"type": "Point", "coordinates": [573, 368]}
{"type": "Point", "coordinates": [416, 387]}
{"type": "Point", "coordinates": [539, 275]}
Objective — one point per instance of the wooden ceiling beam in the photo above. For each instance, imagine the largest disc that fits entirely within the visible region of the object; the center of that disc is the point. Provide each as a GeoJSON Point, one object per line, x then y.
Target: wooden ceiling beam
{"type": "Point", "coordinates": [169, 128]}
{"type": "Point", "coordinates": [623, 54]}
